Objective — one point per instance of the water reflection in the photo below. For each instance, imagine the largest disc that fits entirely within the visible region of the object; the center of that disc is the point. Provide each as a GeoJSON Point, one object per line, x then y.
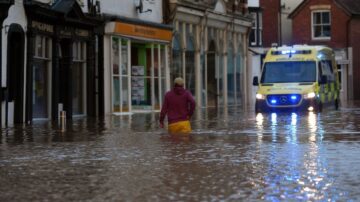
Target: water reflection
{"type": "Point", "coordinates": [232, 155]}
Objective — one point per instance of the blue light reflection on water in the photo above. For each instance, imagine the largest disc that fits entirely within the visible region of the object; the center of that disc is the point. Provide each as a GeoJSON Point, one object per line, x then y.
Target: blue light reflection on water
{"type": "Point", "coordinates": [231, 157]}
{"type": "Point", "coordinates": [304, 173]}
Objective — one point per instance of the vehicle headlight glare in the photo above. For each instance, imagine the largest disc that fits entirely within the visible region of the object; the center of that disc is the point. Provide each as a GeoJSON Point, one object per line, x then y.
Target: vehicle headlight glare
{"type": "Point", "coordinates": [310, 95]}
{"type": "Point", "coordinates": [260, 96]}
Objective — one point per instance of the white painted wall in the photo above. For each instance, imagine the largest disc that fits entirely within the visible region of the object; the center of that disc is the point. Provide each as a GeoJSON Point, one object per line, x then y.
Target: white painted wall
{"type": "Point", "coordinates": [16, 15]}
{"type": "Point", "coordinates": [288, 6]}
{"type": "Point", "coordinates": [127, 8]}
{"type": "Point", "coordinates": [253, 3]}
{"type": "Point", "coordinates": [254, 63]}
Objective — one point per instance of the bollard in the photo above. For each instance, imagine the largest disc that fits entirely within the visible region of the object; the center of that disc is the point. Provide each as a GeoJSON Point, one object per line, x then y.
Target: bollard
{"type": "Point", "coordinates": [62, 121]}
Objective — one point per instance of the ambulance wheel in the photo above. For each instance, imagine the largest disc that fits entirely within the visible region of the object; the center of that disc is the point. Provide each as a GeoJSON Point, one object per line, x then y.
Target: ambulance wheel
{"type": "Point", "coordinates": [318, 107]}
{"type": "Point", "coordinates": [336, 104]}
{"type": "Point", "coordinates": [257, 110]}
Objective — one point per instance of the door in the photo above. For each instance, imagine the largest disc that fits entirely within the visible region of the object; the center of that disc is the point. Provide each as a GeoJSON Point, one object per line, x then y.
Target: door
{"type": "Point", "coordinates": [15, 74]}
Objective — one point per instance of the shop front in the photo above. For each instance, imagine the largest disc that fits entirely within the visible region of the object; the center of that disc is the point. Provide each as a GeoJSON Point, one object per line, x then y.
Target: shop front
{"type": "Point", "coordinates": [61, 69]}
{"type": "Point", "coordinates": [138, 66]}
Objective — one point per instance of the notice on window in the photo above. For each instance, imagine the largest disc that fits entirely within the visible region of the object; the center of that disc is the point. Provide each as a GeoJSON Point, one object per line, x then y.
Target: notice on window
{"type": "Point", "coordinates": [137, 71]}
{"type": "Point", "coordinates": [137, 84]}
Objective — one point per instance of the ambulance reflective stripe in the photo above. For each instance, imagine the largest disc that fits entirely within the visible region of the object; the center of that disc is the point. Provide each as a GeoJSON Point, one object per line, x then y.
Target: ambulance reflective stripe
{"type": "Point", "coordinates": [323, 88]}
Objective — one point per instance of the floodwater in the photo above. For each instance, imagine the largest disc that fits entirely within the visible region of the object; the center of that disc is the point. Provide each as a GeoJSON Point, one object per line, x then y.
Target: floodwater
{"type": "Point", "coordinates": [232, 155]}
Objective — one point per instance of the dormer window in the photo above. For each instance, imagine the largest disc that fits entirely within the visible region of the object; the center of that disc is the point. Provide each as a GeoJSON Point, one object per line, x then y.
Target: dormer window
{"type": "Point", "coordinates": [321, 24]}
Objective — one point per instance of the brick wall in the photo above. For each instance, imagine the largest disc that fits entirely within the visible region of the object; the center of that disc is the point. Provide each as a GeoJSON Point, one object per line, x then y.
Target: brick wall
{"type": "Point", "coordinates": [301, 26]}
{"type": "Point", "coordinates": [270, 21]}
{"type": "Point", "coordinates": [354, 40]}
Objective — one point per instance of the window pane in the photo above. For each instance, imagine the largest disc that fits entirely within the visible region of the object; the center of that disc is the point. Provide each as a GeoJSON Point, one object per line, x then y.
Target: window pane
{"type": "Point", "coordinates": [124, 94]}
{"type": "Point", "coordinates": [116, 94]}
{"type": "Point", "coordinates": [156, 62]}
{"type": "Point", "coordinates": [252, 37]}
{"type": "Point", "coordinates": [78, 88]}
{"type": "Point", "coordinates": [115, 56]}
{"type": "Point", "coordinates": [124, 57]}
{"type": "Point", "coordinates": [40, 89]}
{"type": "Point", "coordinates": [39, 46]}
{"type": "Point", "coordinates": [326, 31]}
{"type": "Point", "coordinates": [325, 18]}
{"type": "Point", "coordinates": [47, 47]}
{"type": "Point", "coordinates": [317, 31]}
{"type": "Point", "coordinates": [190, 71]}
{"type": "Point", "coordinates": [317, 18]}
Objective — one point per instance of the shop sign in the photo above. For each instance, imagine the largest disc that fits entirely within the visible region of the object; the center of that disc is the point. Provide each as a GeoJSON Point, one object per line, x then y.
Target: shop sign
{"type": "Point", "coordinates": [143, 31]}
{"type": "Point", "coordinates": [42, 26]}
{"type": "Point", "coordinates": [66, 31]}
{"type": "Point", "coordinates": [81, 32]}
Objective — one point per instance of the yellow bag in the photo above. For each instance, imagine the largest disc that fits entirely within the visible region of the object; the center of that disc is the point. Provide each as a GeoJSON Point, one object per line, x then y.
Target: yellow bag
{"type": "Point", "coordinates": [181, 127]}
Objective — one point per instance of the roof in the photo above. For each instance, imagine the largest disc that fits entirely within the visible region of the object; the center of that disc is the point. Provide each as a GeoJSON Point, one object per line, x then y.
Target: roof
{"type": "Point", "coordinates": [301, 47]}
{"type": "Point", "coordinates": [351, 7]}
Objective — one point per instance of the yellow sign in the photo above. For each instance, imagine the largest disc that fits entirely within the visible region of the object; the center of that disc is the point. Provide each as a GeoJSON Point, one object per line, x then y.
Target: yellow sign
{"type": "Point", "coordinates": [143, 31]}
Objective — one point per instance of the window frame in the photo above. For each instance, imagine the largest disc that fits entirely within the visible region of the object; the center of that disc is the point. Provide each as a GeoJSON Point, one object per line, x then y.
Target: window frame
{"type": "Point", "coordinates": [256, 28]}
{"type": "Point", "coordinates": [313, 37]}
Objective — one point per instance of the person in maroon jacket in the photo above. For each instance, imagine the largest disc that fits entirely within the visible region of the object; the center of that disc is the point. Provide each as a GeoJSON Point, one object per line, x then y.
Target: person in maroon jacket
{"type": "Point", "coordinates": [178, 106]}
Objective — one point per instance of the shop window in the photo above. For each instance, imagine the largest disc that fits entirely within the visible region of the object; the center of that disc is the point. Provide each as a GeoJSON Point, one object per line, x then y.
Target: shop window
{"type": "Point", "coordinates": [321, 25]}
{"type": "Point", "coordinates": [231, 76]}
{"type": "Point", "coordinates": [41, 95]}
{"type": "Point", "coordinates": [239, 76]}
{"type": "Point", "coordinates": [120, 75]}
{"type": "Point", "coordinates": [176, 67]}
{"type": "Point", "coordinates": [79, 78]}
{"type": "Point", "coordinates": [190, 65]}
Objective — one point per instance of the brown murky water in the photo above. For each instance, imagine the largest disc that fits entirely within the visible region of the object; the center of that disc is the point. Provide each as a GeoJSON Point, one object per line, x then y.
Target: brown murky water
{"type": "Point", "coordinates": [231, 156]}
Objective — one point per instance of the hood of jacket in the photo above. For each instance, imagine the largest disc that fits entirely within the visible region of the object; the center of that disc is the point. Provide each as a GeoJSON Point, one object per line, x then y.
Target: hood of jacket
{"type": "Point", "coordinates": [179, 90]}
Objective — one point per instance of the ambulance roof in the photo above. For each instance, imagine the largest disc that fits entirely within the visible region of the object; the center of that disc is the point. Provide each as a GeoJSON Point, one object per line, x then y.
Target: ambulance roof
{"type": "Point", "coordinates": [297, 52]}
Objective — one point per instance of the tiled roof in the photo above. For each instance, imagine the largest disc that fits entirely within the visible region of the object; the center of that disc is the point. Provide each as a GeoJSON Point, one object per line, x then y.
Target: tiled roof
{"type": "Point", "coordinates": [352, 6]}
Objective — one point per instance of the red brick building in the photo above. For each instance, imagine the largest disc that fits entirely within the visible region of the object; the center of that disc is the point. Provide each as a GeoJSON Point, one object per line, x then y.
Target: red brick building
{"type": "Point", "coordinates": [266, 24]}
{"type": "Point", "coordinates": [335, 23]}
{"type": "Point", "coordinates": [271, 22]}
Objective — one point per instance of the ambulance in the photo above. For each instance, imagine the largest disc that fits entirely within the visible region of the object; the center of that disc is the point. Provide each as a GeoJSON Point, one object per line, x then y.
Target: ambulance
{"type": "Point", "coordinates": [297, 78]}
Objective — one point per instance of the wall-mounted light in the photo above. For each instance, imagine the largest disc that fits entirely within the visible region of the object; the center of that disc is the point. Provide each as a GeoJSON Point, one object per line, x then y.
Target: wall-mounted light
{"type": "Point", "coordinates": [139, 6]}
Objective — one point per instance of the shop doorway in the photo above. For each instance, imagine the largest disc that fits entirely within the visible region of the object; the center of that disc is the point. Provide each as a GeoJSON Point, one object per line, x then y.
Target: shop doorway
{"type": "Point", "coordinates": [141, 84]}
{"type": "Point", "coordinates": [15, 74]}
{"type": "Point", "coordinates": [212, 94]}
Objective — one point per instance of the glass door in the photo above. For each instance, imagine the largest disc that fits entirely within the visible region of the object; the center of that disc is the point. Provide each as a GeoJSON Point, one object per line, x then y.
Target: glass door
{"type": "Point", "coordinates": [41, 94]}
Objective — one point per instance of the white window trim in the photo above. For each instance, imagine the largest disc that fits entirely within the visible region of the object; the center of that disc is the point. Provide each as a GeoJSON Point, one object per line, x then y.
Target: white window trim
{"type": "Point", "coordinates": [312, 25]}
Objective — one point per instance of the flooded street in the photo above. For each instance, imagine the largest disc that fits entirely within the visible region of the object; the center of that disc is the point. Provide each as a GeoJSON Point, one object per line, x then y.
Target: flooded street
{"type": "Point", "coordinates": [231, 155]}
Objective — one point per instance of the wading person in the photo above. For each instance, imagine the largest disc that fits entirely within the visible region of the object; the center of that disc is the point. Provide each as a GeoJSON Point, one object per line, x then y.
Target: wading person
{"type": "Point", "coordinates": [178, 106]}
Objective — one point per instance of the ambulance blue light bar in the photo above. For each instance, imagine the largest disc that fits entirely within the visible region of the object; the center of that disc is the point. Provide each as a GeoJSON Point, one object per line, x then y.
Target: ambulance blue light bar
{"type": "Point", "coordinates": [290, 52]}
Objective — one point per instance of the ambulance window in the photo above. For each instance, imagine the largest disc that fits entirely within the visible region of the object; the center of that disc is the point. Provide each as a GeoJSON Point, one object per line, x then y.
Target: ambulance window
{"type": "Point", "coordinates": [327, 70]}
